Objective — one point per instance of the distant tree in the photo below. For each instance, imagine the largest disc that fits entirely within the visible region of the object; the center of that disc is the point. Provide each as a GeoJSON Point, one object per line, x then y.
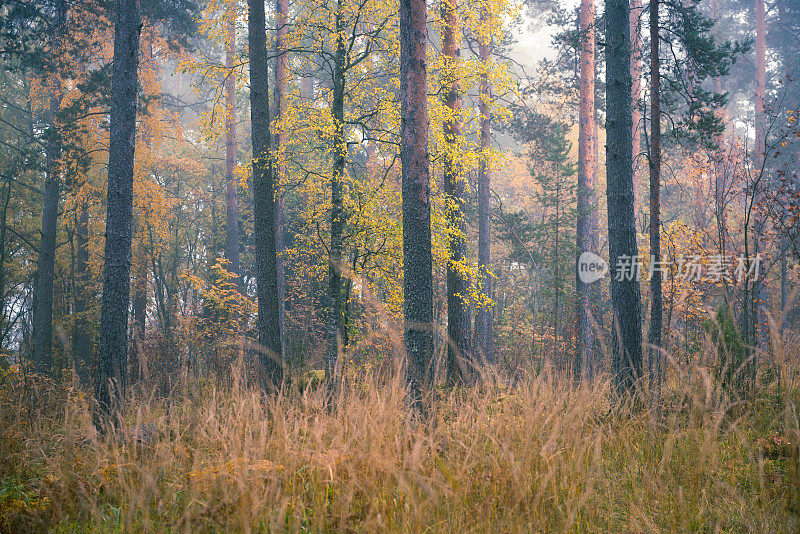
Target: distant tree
{"type": "Point", "coordinates": [281, 89]}
{"type": "Point", "coordinates": [231, 183]}
{"type": "Point", "coordinates": [694, 112]}
{"type": "Point", "coordinates": [483, 317]}
{"type": "Point", "coordinates": [43, 290]}
{"type": "Point", "coordinates": [656, 303]}
{"type": "Point", "coordinates": [553, 172]}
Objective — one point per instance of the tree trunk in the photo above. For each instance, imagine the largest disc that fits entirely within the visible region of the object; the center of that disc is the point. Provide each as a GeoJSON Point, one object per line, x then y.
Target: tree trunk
{"type": "Point", "coordinates": [281, 87]}
{"type": "Point", "coordinates": [264, 202]}
{"type": "Point", "coordinates": [759, 289]}
{"type": "Point", "coordinates": [636, 99]}
{"type": "Point", "coordinates": [556, 271]}
{"type": "Point", "coordinates": [458, 320]}
{"type": "Point", "coordinates": [585, 361]}
{"type": "Point", "coordinates": [656, 303]}
{"type": "Point", "coordinates": [232, 187]}
{"type": "Point", "coordinates": [483, 319]}
{"type": "Point", "coordinates": [3, 226]}
{"type": "Point", "coordinates": [139, 305]}
{"type": "Point", "coordinates": [625, 294]}
{"type": "Point", "coordinates": [81, 341]}
{"type": "Point", "coordinates": [336, 265]}
{"type": "Point", "coordinates": [45, 274]}
{"type": "Point", "coordinates": [417, 259]}
{"type": "Point", "coordinates": [110, 388]}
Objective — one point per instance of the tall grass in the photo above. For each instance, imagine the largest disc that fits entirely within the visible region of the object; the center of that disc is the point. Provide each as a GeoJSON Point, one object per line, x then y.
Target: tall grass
{"type": "Point", "coordinates": [543, 454]}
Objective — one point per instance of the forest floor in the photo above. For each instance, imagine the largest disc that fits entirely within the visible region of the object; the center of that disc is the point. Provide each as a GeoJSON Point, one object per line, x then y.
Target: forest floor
{"type": "Point", "coordinates": [543, 455]}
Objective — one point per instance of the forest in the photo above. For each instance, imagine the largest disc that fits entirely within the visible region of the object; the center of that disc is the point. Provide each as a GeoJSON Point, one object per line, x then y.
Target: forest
{"type": "Point", "coordinates": [399, 265]}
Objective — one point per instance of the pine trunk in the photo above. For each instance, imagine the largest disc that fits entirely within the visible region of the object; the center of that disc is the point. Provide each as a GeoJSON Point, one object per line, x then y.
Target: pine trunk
{"type": "Point", "coordinates": [483, 318]}
{"type": "Point", "coordinates": [271, 368]}
{"type": "Point", "coordinates": [636, 99]}
{"type": "Point", "coordinates": [110, 387]}
{"type": "Point", "coordinates": [417, 259]}
{"type": "Point", "coordinates": [281, 87]}
{"type": "Point", "coordinates": [81, 341]}
{"type": "Point", "coordinates": [656, 303]}
{"type": "Point", "coordinates": [231, 193]}
{"type": "Point", "coordinates": [139, 305]}
{"type": "Point", "coordinates": [585, 361]}
{"type": "Point", "coordinates": [625, 293]}
{"type": "Point", "coordinates": [458, 319]}
{"type": "Point", "coordinates": [45, 274]}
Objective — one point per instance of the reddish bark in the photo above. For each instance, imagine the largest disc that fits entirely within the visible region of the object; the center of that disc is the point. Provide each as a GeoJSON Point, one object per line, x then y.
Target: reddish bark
{"type": "Point", "coordinates": [458, 319]}
{"type": "Point", "coordinates": [587, 200]}
{"type": "Point", "coordinates": [417, 258]}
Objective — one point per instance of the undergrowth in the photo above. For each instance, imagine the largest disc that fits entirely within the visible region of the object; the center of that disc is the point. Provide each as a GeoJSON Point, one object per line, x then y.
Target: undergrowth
{"type": "Point", "coordinates": [540, 454]}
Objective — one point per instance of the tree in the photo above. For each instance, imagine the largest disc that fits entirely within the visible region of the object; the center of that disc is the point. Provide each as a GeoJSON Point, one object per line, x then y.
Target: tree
{"type": "Point", "coordinates": [636, 98]}
{"type": "Point", "coordinates": [553, 172]}
{"type": "Point", "coordinates": [483, 317]}
{"type": "Point", "coordinates": [43, 291]}
{"type": "Point", "coordinates": [281, 88]}
{"type": "Point", "coordinates": [110, 389]}
{"type": "Point", "coordinates": [656, 304]}
{"type": "Point", "coordinates": [232, 186]}
{"type": "Point", "coordinates": [758, 322]}
{"type": "Point", "coordinates": [694, 114]}
{"type": "Point", "coordinates": [417, 259]}
{"type": "Point", "coordinates": [458, 317]}
{"type": "Point", "coordinates": [625, 293]}
{"type": "Point", "coordinates": [336, 305]}
{"type": "Point", "coordinates": [587, 198]}
{"type": "Point", "coordinates": [271, 368]}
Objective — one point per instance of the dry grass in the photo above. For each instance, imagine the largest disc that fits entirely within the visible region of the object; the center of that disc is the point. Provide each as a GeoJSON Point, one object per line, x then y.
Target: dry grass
{"type": "Point", "coordinates": [543, 455]}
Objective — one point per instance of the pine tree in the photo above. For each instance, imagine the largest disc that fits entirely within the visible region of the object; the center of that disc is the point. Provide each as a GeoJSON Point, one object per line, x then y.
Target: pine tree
{"type": "Point", "coordinates": [625, 293]}
{"type": "Point", "coordinates": [271, 365]}
{"type": "Point", "coordinates": [111, 375]}
{"type": "Point", "coordinates": [458, 319]}
{"type": "Point", "coordinates": [417, 258]}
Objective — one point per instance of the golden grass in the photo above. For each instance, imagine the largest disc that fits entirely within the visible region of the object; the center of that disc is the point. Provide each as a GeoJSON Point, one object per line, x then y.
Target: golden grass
{"type": "Point", "coordinates": [543, 455]}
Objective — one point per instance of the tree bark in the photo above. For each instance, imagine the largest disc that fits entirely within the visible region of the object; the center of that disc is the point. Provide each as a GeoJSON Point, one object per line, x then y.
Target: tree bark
{"type": "Point", "coordinates": [636, 99]}
{"type": "Point", "coordinates": [281, 87]}
{"type": "Point", "coordinates": [81, 341]}
{"type": "Point", "coordinates": [483, 318]}
{"type": "Point", "coordinates": [586, 199]}
{"type": "Point", "coordinates": [45, 274]}
{"type": "Point", "coordinates": [336, 334]}
{"type": "Point", "coordinates": [656, 303]}
{"type": "Point", "coordinates": [625, 293]}
{"type": "Point", "coordinates": [759, 289]}
{"type": "Point", "coordinates": [3, 226]}
{"type": "Point", "coordinates": [232, 187]}
{"type": "Point", "coordinates": [139, 305]}
{"type": "Point", "coordinates": [417, 258]}
{"type": "Point", "coordinates": [458, 319]}
{"type": "Point", "coordinates": [110, 388]}
{"type": "Point", "coordinates": [271, 368]}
